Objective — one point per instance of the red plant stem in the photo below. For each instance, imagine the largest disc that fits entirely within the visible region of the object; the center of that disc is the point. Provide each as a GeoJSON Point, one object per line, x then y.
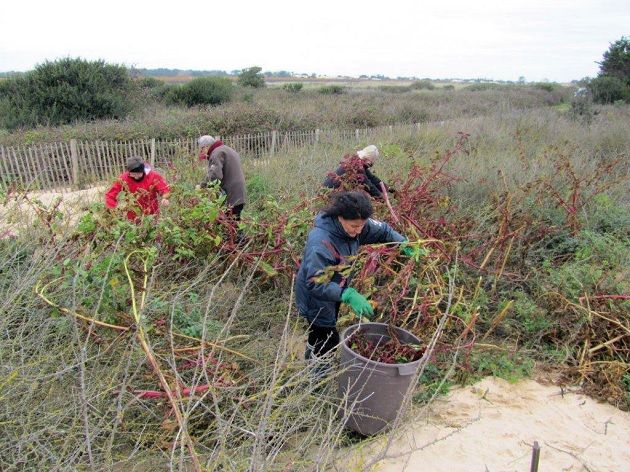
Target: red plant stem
{"type": "Point", "coordinates": [389, 205]}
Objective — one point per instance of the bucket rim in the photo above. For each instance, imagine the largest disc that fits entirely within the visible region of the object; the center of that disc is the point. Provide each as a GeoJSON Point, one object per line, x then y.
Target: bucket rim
{"type": "Point", "coordinates": [344, 345]}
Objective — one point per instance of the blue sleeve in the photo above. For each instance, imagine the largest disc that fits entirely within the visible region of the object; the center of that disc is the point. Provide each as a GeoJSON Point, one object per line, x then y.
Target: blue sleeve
{"type": "Point", "coordinates": [377, 232]}
{"type": "Point", "coordinates": [317, 257]}
{"type": "Point", "coordinates": [373, 183]}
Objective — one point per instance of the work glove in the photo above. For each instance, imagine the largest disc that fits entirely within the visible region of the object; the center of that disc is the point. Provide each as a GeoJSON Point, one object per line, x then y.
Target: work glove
{"type": "Point", "coordinates": [413, 251]}
{"type": "Point", "coordinates": [357, 302]}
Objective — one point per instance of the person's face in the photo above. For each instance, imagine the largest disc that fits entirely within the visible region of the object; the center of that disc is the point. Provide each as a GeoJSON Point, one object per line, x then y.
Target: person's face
{"type": "Point", "coordinates": [368, 162]}
{"type": "Point", "coordinates": [136, 175]}
{"type": "Point", "coordinates": [352, 227]}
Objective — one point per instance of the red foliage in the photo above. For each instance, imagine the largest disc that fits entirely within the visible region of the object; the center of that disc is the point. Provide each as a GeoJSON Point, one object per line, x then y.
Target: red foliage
{"type": "Point", "coordinates": [390, 352]}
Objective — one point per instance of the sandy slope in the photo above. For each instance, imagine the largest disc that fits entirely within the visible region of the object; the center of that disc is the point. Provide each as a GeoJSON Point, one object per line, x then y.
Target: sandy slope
{"type": "Point", "coordinates": [492, 426]}
{"type": "Point", "coordinates": [19, 211]}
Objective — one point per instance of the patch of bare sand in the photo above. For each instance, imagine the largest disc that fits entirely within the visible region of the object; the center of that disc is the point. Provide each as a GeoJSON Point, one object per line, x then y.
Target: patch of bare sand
{"type": "Point", "coordinates": [492, 427]}
{"type": "Point", "coordinates": [19, 213]}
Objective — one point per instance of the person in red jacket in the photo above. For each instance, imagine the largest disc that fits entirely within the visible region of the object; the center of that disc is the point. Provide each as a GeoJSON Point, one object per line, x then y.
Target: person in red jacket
{"type": "Point", "coordinates": [144, 188]}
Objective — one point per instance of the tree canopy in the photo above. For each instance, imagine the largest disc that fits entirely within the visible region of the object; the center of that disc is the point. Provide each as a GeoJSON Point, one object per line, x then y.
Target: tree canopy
{"type": "Point", "coordinates": [616, 61]}
{"type": "Point", "coordinates": [612, 84]}
{"type": "Point", "coordinates": [251, 77]}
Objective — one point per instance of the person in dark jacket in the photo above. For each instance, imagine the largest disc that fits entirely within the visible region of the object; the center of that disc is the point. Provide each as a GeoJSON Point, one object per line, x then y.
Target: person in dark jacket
{"type": "Point", "coordinates": [339, 231]}
{"type": "Point", "coordinates": [354, 173]}
{"type": "Point", "coordinates": [224, 165]}
{"type": "Point", "coordinates": [144, 187]}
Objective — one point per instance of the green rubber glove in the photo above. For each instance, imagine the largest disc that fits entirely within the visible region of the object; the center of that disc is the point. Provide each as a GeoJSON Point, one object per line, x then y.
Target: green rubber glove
{"type": "Point", "coordinates": [413, 251]}
{"type": "Point", "coordinates": [357, 302]}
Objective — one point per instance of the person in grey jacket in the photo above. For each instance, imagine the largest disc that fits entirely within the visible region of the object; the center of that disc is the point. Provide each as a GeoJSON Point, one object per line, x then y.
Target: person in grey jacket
{"type": "Point", "coordinates": [224, 165]}
{"type": "Point", "coordinates": [339, 231]}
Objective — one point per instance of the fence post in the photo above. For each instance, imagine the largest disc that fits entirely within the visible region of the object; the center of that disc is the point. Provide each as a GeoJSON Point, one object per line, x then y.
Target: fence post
{"type": "Point", "coordinates": [152, 158]}
{"type": "Point", "coordinates": [274, 138]}
{"type": "Point", "coordinates": [74, 159]}
{"type": "Point", "coordinates": [535, 457]}
{"type": "Point", "coordinates": [356, 134]}
{"type": "Point", "coordinates": [317, 133]}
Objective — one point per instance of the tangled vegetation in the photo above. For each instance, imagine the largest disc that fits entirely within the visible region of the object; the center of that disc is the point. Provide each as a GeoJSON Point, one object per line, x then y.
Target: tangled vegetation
{"type": "Point", "coordinates": [175, 343]}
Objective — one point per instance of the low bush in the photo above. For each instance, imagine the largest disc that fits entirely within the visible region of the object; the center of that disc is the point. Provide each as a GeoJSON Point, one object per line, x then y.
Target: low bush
{"type": "Point", "coordinates": [201, 91]}
{"type": "Point", "coordinates": [332, 90]}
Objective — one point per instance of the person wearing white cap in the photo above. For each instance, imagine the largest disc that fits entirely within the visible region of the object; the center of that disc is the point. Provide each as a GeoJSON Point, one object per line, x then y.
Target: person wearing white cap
{"type": "Point", "coordinates": [354, 173]}
{"type": "Point", "coordinates": [224, 165]}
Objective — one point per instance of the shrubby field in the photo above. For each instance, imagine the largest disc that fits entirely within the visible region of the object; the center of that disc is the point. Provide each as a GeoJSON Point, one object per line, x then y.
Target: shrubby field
{"type": "Point", "coordinates": [312, 107]}
{"type": "Point", "coordinates": [170, 345]}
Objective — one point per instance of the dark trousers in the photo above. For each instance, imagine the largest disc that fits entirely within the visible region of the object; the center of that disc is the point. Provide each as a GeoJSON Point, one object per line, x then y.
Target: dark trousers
{"type": "Point", "coordinates": [321, 341]}
{"type": "Point", "coordinates": [235, 211]}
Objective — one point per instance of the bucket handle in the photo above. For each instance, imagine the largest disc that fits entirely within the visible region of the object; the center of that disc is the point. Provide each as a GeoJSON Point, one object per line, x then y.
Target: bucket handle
{"type": "Point", "coordinates": [407, 369]}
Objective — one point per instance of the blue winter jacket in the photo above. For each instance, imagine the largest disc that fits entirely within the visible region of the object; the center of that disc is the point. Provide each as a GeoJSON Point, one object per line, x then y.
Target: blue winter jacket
{"type": "Point", "coordinates": [328, 245]}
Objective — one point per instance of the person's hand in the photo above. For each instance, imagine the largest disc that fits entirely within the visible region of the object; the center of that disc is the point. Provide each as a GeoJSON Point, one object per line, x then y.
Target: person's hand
{"type": "Point", "coordinates": [412, 250]}
{"type": "Point", "coordinates": [165, 201]}
{"type": "Point", "coordinates": [197, 186]}
{"type": "Point", "coordinates": [357, 302]}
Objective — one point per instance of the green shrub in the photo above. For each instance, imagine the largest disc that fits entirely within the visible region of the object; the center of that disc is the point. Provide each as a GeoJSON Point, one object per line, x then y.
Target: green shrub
{"type": "Point", "coordinates": [394, 88]}
{"type": "Point", "coordinates": [528, 318]}
{"type": "Point", "coordinates": [201, 91]}
{"type": "Point", "coordinates": [149, 83]}
{"type": "Point", "coordinates": [258, 187]}
{"type": "Point", "coordinates": [332, 90]}
{"type": "Point", "coordinates": [63, 92]}
{"type": "Point", "coordinates": [293, 87]}
{"type": "Point", "coordinates": [607, 90]}
{"type": "Point", "coordinates": [547, 87]}
{"type": "Point", "coordinates": [592, 266]}
{"type": "Point", "coordinates": [582, 107]}
{"type": "Point", "coordinates": [510, 366]}
{"type": "Point", "coordinates": [422, 85]}
{"type": "Point", "coordinates": [481, 87]}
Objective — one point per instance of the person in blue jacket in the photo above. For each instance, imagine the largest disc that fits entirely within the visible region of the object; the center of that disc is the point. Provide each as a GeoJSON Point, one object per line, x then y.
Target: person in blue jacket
{"type": "Point", "coordinates": [339, 231]}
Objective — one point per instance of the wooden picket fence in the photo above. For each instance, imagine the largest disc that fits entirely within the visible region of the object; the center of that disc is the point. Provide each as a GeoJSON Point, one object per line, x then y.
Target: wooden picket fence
{"type": "Point", "coordinates": [79, 164]}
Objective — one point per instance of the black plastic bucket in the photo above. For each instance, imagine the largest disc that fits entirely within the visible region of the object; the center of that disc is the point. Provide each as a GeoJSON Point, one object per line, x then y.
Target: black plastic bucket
{"type": "Point", "coordinates": [372, 392]}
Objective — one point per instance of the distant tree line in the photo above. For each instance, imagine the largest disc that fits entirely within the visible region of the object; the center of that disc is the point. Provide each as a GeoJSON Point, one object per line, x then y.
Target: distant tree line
{"type": "Point", "coordinates": [204, 73]}
{"type": "Point", "coordinates": [178, 72]}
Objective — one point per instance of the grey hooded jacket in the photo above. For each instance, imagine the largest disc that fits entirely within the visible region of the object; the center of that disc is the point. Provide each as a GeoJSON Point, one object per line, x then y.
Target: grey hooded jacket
{"type": "Point", "coordinates": [225, 166]}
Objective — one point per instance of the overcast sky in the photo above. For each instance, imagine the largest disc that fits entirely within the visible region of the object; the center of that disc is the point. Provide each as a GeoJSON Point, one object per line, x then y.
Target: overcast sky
{"type": "Point", "coordinates": [540, 40]}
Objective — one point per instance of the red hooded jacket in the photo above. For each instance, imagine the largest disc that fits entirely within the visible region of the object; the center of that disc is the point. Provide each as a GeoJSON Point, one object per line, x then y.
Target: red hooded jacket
{"type": "Point", "coordinates": [143, 196]}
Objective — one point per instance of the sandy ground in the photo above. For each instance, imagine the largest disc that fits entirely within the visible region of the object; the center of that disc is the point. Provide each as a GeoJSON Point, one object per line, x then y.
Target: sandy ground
{"type": "Point", "coordinates": [493, 425]}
